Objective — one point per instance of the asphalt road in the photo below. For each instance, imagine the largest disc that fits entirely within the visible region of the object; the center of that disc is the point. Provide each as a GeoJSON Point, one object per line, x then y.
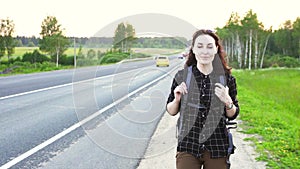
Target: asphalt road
{"type": "Point", "coordinates": [28, 82]}
{"type": "Point", "coordinates": [36, 107]}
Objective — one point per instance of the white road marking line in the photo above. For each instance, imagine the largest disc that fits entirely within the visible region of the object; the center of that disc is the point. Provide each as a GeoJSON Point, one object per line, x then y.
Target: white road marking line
{"type": "Point", "coordinates": [75, 126]}
{"type": "Point", "coordinates": [59, 86]}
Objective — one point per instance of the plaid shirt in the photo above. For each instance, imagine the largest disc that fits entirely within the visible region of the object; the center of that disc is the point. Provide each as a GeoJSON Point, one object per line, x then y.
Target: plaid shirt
{"type": "Point", "coordinates": [202, 120]}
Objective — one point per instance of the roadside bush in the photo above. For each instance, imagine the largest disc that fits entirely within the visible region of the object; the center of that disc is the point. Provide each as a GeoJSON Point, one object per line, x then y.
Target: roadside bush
{"type": "Point", "coordinates": [35, 57]}
{"type": "Point", "coordinates": [2, 67]}
{"type": "Point", "coordinates": [288, 61]}
{"type": "Point", "coordinates": [66, 60]}
{"type": "Point", "coordinates": [113, 57]}
{"type": "Point", "coordinates": [12, 60]}
{"type": "Point", "coordinates": [113, 60]}
{"type": "Point", "coordinates": [47, 66]}
{"type": "Point", "coordinates": [281, 61]}
{"type": "Point", "coordinates": [21, 67]}
{"type": "Point", "coordinates": [23, 64]}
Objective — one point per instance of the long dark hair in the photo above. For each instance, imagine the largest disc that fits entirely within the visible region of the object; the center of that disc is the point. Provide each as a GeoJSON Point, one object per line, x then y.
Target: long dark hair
{"type": "Point", "coordinates": [191, 60]}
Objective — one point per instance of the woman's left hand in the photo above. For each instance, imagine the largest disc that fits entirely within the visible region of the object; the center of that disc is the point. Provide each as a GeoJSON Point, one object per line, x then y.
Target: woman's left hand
{"type": "Point", "coordinates": [223, 93]}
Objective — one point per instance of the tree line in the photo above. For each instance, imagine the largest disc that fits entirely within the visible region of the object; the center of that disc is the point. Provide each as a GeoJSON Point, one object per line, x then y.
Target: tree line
{"type": "Point", "coordinates": [247, 42]}
{"type": "Point", "coordinates": [106, 42]}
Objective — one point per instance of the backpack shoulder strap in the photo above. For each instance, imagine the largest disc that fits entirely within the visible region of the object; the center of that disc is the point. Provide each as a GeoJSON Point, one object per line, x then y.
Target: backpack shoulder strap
{"type": "Point", "coordinates": [188, 77]}
{"type": "Point", "coordinates": [188, 82]}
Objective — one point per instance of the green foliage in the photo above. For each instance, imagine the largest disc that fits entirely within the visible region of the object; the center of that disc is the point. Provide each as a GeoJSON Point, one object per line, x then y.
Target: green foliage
{"type": "Point", "coordinates": [7, 42]}
{"type": "Point", "coordinates": [26, 67]}
{"type": "Point", "coordinates": [31, 44]}
{"type": "Point", "coordinates": [114, 57]}
{"type": "Point", "coordinates": [80, 54]}
{"type": "Point", "coordinates": [281, 61]}
{"type": "Point", "coordinates": [246, 40]}
{"type": "Point", "coordinates": [19, 43]}
{"type": "Point", "coordinates": [35, 57]}
{"type": "Point", "coordinates": [161, 42]}
{"type": "Point", "coordinates": [55, 45]}
{"type": "Point", "coordinates": [269, 101]}
{"type": "Point", "coordinates": [124, 37]}
{"type": "Point", "coordinates": [66, 60]}
{"type": "Point", "coordinates": [91, 54]}
{"type": "Point", "coordinates": [50, 26]}
{"type": "Point", "coordinates": [53, 41]}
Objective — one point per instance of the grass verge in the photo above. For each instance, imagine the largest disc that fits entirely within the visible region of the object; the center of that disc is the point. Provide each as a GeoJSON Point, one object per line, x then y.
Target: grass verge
{"type": "Point", "coordinates": [269, 101]}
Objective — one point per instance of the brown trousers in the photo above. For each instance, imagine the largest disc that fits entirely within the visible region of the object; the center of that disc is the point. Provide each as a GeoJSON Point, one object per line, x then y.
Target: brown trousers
{"type": "Point", "coordinates": [187, 161]}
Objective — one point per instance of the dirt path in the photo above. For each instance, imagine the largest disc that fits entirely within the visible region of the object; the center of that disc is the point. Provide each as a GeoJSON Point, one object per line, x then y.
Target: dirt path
{"type": "Point", "coordinates": [243, 158]}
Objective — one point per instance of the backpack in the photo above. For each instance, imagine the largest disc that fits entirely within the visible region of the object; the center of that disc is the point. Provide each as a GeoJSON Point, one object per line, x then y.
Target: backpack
{"type": "Point", "coordinates": [230, 125]}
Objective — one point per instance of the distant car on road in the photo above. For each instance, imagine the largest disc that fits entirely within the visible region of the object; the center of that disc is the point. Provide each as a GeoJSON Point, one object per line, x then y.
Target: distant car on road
{"type": "Point", "coordinates": [180, 56]}
{"type": "Point", "coordinates": [162, 61]}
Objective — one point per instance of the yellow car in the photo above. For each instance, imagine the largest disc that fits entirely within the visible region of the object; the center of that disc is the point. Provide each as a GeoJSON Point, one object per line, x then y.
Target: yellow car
{"type": "Point", "coordinates": [162, 61]}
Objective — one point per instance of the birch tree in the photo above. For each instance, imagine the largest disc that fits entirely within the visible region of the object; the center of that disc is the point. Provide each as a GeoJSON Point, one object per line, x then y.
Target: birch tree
{"type": "Point", "coordinates": [7, 42]}
{"type": "Point", "coordinates": [119, 37]}
{"type": "Point", "coordinates": [124, 37]}
{"type": "Point", "coordinates": [268, 34]}
{"type": "Point", "coordinates": [53, 41]}
{"type": "Point", "coordinates": [252, 26]}
{"type": "Point", "coordinates": [224, 35]}
{"type": "Point", "coordinates": [233, 28]}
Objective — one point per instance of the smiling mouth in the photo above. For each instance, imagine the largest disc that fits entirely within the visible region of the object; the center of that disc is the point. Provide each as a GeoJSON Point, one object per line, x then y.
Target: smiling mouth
{"type": "Point", "coordinates": [204, 55]}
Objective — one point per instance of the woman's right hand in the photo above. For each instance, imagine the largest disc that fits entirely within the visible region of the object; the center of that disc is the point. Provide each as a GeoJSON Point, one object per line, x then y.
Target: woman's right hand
{"type": "Point", "coordinates": [179, 91]}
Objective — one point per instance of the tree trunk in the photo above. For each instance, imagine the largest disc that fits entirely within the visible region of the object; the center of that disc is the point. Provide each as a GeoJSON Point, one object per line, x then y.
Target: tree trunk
{"type": "Point", "coordinates": [246, 53]}
{"type": "Point", "coordinates": [57, 53]}
{"type": "Point", "coordinates": [232, 47]}
{"type": "Point", "coordinates": [263, 54]}
{"type": "Point", "coordinates": [250, 49]}
{"type": "Point", "coordinates": [239, 50]}
{"type": "Point", "coordinates": [226, 50]}
{"type": "Point", "coordinates": [229, 48]}
{"type": "Point", "coordinates": [256, 52]}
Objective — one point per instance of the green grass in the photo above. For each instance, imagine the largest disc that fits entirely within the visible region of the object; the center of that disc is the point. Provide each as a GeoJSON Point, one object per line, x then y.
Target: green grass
{"type": "Point", "coordinates": [269, 101]}
{"type": "Point", "coordinates": [20, 51]}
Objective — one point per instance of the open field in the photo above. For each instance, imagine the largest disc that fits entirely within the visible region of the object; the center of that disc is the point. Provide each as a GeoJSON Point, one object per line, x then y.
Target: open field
{"type": "Point", "coordinates": [270, 108]}
{"type": "Point", "coordinates": [20, 51]}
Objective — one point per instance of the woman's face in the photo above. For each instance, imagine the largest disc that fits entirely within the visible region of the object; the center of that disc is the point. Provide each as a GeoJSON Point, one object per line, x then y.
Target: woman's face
{"type": "Point", "coordinates": [204, 49]}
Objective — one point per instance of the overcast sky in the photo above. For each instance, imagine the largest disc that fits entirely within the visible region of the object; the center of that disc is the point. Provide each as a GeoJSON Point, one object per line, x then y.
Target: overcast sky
{"type": "Point", "coordinates": [85, 17]}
